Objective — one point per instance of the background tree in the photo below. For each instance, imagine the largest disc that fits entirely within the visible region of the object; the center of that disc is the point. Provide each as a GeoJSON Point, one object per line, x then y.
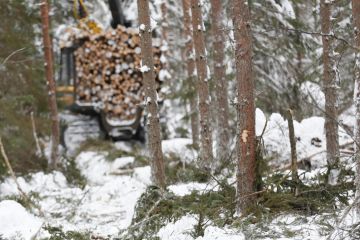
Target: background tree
{"type": "Point", "coordinates": [190, 66]}
{"type": "Point", "coordinates": [356, 23]}
{"type": "Point", "coordinates": [330, 86]}
{"type": "Point", "coordinates": [21, 63]}
{"type": "Point", "coordinates": [49, 69]}
{"type": "Point", "coordinates": [245, 145]}
{"type": "Point", "coordinates": [206, 151]}
{"type": "Point", "coordinates": [220, 82]}
{"type": "Point", "coordinates": [151, 101]}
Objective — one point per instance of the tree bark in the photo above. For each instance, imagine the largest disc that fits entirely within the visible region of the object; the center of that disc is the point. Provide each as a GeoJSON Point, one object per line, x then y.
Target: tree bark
{"type": "Point", "coordinates": [329, 86]}
{"type": "Point", "coordinates": [356, 23]}
{"type": "Point", "coordinates": [190, 65]}
{"type": "Point", "coordinates": [164, 22]}
{"type": "Point", "coordinates": [206, 150]}
{"type": "Point", "coordinates": [245, 145]}
{"type": "Point", "coordinates": [49, 69]}
{"type": "Point", "coordinates": [292, 138]}
{"type": "Point", "coordinates": [218, 38]}
{"type": "Point", "coordinates": [154, 138]}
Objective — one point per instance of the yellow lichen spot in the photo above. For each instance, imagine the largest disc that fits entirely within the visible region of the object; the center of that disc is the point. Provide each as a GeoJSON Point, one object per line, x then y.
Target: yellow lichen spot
{"type": "Point", "coordinates": [244, 135]}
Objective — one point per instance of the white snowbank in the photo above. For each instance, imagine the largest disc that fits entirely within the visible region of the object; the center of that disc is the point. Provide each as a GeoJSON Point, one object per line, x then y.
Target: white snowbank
{"type": "Point", "coordinates": [182, 229]}
{"type": "Point", "coordinates": [105, 206]}
{"type": "Point", "coordinates": [183, 189]}
{"type": "Point", "coordinates": [16, 222]}
{"type": "Point", "coordinates": [310, 136]}
{"type": "Point", "coordinates": [38, 181]}
{"type": "Point", "coordinates": [181, 148]}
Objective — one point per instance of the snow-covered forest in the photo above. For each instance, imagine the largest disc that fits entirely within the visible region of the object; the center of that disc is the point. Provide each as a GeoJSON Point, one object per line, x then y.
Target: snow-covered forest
{"type": "Point", "coordinates": [179, 119]}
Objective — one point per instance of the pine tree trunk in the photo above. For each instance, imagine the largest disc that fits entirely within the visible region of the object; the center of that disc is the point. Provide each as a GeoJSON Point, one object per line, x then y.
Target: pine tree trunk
{"type": "Point", "coordinates": [164, 22]}
{"type": "Point", "coordinates": [245, 145]}
{"type": "Point", "coordinates": [206, 151]}
{"type": "Point", "coordinates": [190, 65]}
{"type": "Point", "coordinates": [49, 69]}
{"type": "Point", "coordinates": [329, 86]}
{"type": "Point", "coordinates": [292, 138]}
{"type": "Point", "coordinates": [154, 138]}
{"type": "Point", "coordinates": [223, 134]}
{"type": "Point", "coordinates": [356, 23]}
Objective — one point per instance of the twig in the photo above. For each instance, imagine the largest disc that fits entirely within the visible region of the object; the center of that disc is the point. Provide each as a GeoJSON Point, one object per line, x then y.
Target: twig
{"type": "Point", "coordinates": [7, 162]}
{"type": "Point", "coordinates": [254, 193]}
{"type": "Point", "coordinates": [12, 54]}
{"type": "Point", "coordinates": [38, 148]}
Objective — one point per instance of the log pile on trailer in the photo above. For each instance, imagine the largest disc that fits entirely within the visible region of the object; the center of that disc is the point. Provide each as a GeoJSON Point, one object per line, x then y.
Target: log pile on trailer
{"type": "Point", "coordinates": [109, 71]}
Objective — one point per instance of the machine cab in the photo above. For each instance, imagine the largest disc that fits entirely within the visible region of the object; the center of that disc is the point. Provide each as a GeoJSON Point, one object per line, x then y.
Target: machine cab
{"type": "Point", "coordinates": [65, 89]}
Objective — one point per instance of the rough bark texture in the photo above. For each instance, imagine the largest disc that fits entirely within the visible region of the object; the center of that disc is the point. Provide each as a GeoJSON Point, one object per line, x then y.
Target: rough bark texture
{"type": "Point", "coordinates": [292, 138]}
{"type": "Point", "coordinates": [49, 69]}
{"type": "Point", "coordinates": [164, 22]}
{"type": "Point", "coordinates": [329, 86]}
{"type": "Point", "coordinates": [223, 134]}
{"type": "Point", "coordinates": [356, 23]}
{"type": "Point", "coordinates": [153, 127]}
{"type": "Point", "coordinates": [245, 145]}
{"type": "Point", "coordinates": [206, 151]}
{"type": "Point", "coordinates": [190, 65]}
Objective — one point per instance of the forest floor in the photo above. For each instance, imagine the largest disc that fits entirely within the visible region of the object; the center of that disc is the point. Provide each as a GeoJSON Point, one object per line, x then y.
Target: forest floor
{"type": "Point", "coordinates": [111, 194]}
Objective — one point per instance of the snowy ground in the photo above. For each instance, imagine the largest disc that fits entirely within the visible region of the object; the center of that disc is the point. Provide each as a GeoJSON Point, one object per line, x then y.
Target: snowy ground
{"type": "Point", "coordinates": [106, 205]}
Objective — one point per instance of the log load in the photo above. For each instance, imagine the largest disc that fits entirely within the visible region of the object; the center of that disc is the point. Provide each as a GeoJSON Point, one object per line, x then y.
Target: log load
{"type": "Point", "coordinates": [108, 72]}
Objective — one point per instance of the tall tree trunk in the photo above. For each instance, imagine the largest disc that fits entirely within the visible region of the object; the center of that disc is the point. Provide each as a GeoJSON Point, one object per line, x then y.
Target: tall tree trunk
{"type": "Point", "coordinates": [218, 38]}
{"type": "Point", "coordinates": [190, 65]}
{"type": "Point", "coordinates": [356, 23]}
{"type": "Point", "coordinates": [329, 86]}
{"type": "Point", "coordinates": [154, 138]}
{"type": "Point", "coordinates": [49, 69]}
{"type": "Point", "coordinates": [164, 22]}
{"type": "Point", "coordinates": [206, 151]}
{"type": "Point", "coordinates": [245, 105]}
{"type": "Point", "coordinates": [292, 138]}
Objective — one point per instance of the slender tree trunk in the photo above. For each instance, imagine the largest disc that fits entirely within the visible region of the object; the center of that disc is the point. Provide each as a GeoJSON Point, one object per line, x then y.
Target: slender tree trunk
{"type": "Point", "coordinates": [356, 23]}
{"type": "Point", "coordinates": [154, 138]}
{"type": "Point", "coordinates": [245, 105]}
{"type": "Point", "coordinates": [330, 86]}
{"type": "Point", "coordinates": [206, 151]}
{"type": "Point", "coordinates": [49, 69]}
{"type": "Point", "coordinates": [292, 138]}
{"type": "Point", "coordinates": [223, 134]}
{"type": "Point", "coordinates": [164, 22]}
{"type": "Point", "coordinates": [190, 65]}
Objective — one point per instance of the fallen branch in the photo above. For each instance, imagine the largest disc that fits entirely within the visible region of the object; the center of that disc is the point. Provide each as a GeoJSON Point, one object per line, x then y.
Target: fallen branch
{"type": "Point", "coordinates": [8, 165]}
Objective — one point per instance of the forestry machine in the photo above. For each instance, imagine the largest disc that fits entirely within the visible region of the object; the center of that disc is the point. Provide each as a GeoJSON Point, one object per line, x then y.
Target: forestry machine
{"type": "Point", "coordinates": [100, 73]}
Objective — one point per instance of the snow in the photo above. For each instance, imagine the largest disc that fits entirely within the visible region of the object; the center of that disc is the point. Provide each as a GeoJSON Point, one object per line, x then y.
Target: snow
{"type": "Point", "coordinates": [16, 222]}
{"type": "Point", "coordinates": [312, 93]}
{"type": "Point", "coordinates": [183, 189]}
{"type": "Point", "coordinates": [182, 229]}
{"type": "Point", "coordinates": [144, 69]}
{"type": "Point", "coordinates": [181, 148]}
{"type": "Point", "coordinates": [105, 206]}
{"type": "Point", "coordinates": [142, 27]}
{"type": "Point", "coordinates": [310, 136]}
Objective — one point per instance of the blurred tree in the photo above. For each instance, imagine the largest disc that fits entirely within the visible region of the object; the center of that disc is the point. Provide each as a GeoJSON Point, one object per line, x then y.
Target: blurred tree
{"type": "Point", "coordinates": [22, 86]}
{"type": "Point", "coordinates": [198, 28]}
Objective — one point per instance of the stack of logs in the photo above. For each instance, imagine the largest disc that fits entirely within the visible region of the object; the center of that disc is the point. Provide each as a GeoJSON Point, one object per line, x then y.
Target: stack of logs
{"type": "Point", "coordinates": [108, 72]}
